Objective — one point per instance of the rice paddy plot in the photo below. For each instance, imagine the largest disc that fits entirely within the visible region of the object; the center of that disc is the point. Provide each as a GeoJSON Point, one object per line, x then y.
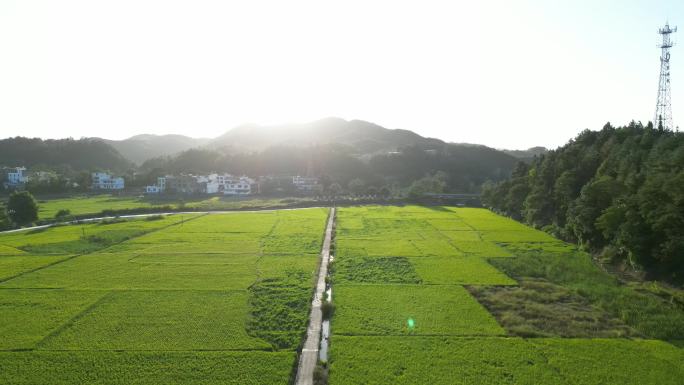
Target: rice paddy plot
{"type": "Point", "coordinates": [14, 265]}
{"type": "Point", "coordinates": [614, 361]}
{"type": "Point", "coordinates": [82, 238]}
{"type": "Point", "coordinates": [496, 361]}
{"type": "Point", "coordinates": [146, 368]}
{"type": "Point", "coordinates": [160, 320]}
{"type": "Point", "coordinates": [459, 271]}
{"type": "Point", "coordinates": [375, 270]}
{"type": "Point", "coordinates": [187, 299]}
{"type": "Point", "coordinates": [410, 310]}
{"type": "Point", "coordinates": [28, 316]}
{"type": "Point", "coordinates": [402, 317]}
{"type": "Point", "coordinates": [121, 271]}
{"type": "Point", "coordinates": [437, 361]}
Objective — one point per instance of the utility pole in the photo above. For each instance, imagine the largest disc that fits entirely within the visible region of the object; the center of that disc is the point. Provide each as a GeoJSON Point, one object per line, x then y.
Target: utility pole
{"type": "Point", "coordinates": [663, 114]}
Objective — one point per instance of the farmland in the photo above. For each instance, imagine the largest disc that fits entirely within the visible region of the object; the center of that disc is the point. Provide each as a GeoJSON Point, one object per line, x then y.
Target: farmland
{"type": "Point", "coordinates": [462, 296]}
{"type": "Point", "coordinates": [179, 299]}
{"type": "Point", "coordinates": [434, 295]}
{"type": "Point", "coordinates": [105, 203]}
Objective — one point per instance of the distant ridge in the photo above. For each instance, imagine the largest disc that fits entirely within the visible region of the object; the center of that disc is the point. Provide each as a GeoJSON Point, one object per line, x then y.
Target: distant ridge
{"type": "Point", "coordinates": [139, 148]}
{"type": "Point", "coordinates": [364, 137]}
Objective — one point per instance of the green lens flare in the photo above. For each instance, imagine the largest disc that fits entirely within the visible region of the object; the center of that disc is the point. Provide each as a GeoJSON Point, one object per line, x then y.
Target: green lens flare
{"type": "Point", "coordinates": [411, 323]}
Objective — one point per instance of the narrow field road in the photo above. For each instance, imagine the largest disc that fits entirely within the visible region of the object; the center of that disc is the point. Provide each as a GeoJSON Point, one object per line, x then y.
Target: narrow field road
{"type": "Point", "coordinates": [309, 356]}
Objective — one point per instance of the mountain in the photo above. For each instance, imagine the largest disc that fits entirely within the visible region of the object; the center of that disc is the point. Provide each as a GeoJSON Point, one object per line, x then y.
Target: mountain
{"type": "Point", "coordinates": [363, 137]}
{"type": "Point", "coordinates": [77, 155]}
{"type": "Point", "coordinates": [139, 148]}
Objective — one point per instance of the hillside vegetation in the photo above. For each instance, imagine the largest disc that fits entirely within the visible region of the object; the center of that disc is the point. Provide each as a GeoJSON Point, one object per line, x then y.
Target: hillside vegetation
{"type": "Point", "coordinates": [618, 192]}
{"type": "Point", "coordinates": [62, 155]}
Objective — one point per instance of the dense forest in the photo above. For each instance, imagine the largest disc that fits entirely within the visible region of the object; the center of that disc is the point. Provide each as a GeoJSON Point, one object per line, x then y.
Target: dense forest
{"type": "Point", "coordinates": [618, 192]}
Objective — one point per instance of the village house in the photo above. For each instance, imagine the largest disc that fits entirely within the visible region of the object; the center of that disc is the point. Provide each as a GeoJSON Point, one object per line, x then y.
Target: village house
{"type": "Point", "coordinates": [16, 177]}
{"type": "Point", "coordinates": [105, 181]}
{"type": "Point", "coordinates": [225, 184]}
{"type": "Point", "coordinates": [306, 184]}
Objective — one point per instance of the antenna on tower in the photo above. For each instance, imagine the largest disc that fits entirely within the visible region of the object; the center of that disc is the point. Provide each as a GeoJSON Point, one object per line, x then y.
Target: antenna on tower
{"type": "Point", "coordinates": [663, 114]}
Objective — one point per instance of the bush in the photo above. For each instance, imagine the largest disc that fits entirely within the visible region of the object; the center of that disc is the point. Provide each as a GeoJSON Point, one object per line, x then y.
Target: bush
{"type": "Point", "coordinates": [63, 213]}
{"type": "Point", "coordinates": [328, 309]}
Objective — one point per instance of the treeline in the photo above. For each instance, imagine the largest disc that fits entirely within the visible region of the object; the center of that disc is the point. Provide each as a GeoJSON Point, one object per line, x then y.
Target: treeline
{"type": "Point", "coordinates": [618, 192]}
{"type": "Point", "coordinates": [66, 155]}
{"type": "Point", "coordinates": [459, 168]}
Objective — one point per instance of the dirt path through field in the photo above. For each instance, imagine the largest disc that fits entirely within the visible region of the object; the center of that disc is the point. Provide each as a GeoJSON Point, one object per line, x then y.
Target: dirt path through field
{"type": "Point", "coordinates": [309, 356]}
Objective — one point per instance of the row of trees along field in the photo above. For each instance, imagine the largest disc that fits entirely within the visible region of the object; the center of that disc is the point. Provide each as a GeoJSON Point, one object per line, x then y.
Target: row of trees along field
{"type": "Point", "coordinates": [618, 192]}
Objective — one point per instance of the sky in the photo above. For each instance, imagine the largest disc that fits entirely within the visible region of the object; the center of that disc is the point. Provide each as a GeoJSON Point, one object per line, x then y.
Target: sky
{"type": "Point", "coordinates": [504, 73]}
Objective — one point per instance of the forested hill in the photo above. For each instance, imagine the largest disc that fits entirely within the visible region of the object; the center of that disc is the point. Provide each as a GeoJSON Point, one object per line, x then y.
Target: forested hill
{"type": "Point", "coordinates": [363, 137]}
{"type": "Point", "coordinates": [64, 154]}
{"type": "Point", "coordinates": [446, 168]}
{"type": "Point", "coordinates": [618, 191]}
{"type": "Point", "coordinates": [139, 148]}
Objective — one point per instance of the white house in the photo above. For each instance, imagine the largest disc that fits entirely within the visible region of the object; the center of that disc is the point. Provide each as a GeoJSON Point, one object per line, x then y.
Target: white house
{"type": "Point", "coordinates": [237, 186]}
{"type": "Point", "coordinates": [16, 177]}
{"type": "Point", "coordinates": [306, 184]}
{"type": "Point", "coordinates": [104, 181]}
{"type": "Point", "coordinates": [158, 188]}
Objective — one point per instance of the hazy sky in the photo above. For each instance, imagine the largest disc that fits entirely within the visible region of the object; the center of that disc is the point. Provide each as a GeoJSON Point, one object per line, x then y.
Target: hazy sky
{"type": "Point", "coordinates": [508, 74]}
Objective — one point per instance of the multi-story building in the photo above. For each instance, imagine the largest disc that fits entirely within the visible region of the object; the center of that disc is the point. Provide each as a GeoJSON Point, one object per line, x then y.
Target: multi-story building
{"type": "Point", "coordinates": [225, 184]}
{"type": "Point", "coordinates": [306, 184]}
{"type": "Point", "coordinates": [158, 188]}
{"type": "Point", "coordinates": [105, 181]}
{"type": "Point", "coordinates": [16, 177]}
{"type": "Point", "coordinates": [237, 186]}
{"type": "Point", "coordinates": [184, 184]}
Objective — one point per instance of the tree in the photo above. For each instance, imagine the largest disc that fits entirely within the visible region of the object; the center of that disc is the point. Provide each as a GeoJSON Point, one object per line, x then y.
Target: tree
{"type": "Point", "coordinates": [619, 192]}
{"type": "Point", "coordinates": [429, 184]}
{"type": "Point", "coordinates": [335, 189]}
{"type": "Point", "coordinates": [22, 208]}
{"type": "Point", "coordinates": [356, 186]}
{"type": "Point", "coordinates": [4, 220]}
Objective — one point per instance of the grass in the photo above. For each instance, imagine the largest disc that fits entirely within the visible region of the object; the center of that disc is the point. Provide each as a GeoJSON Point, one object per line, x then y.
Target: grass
{"type": "Point", "coordinates": [649, 314]}
{"type": "Point", "coordinates": [386, 309]}
{"type": "Point", "coordinates": [279, 310]}
{"type": "Point", "coordinates": [542, 309]}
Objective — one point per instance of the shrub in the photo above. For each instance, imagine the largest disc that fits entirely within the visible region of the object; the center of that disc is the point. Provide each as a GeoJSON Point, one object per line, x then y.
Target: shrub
{"type": "Point", "coordinates": [328, 309]}
{"type": "Point", "coordinates": [63, 213]}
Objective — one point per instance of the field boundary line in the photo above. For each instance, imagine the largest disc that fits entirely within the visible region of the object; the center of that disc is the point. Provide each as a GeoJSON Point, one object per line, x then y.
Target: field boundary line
{"type": "Point", "coordinates": [95, 251]}
{"type": "Point", "coordinates": [39, 268]}
{"type": "Point", "coordinates": [73, 319]}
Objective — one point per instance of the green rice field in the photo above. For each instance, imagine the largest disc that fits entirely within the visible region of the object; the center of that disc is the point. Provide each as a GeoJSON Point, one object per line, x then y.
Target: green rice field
{"type": "Point", "coordinates": [96, 204]}
{"type": "Point", "coordinates": [182, 299]}
{"type": "Point", "coordinates": [440, 295]}
{"type": "Point", "coordinates": [422, 295]}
